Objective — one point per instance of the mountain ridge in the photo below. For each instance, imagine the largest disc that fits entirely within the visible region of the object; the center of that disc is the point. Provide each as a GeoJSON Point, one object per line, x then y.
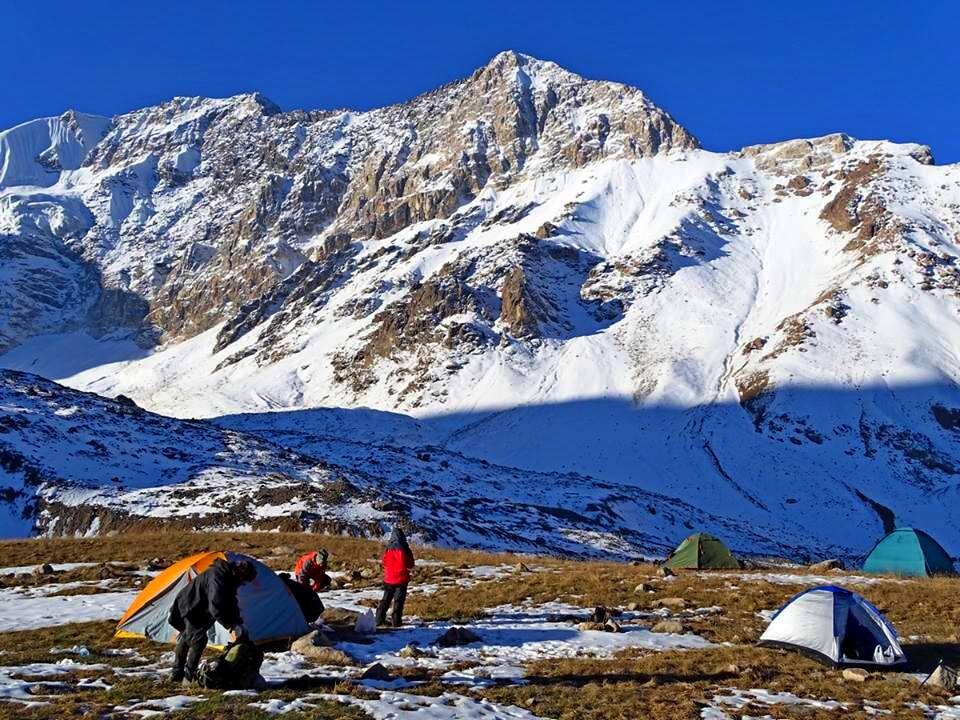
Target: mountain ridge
{"type": "Point", "coordinates": [548, 268]}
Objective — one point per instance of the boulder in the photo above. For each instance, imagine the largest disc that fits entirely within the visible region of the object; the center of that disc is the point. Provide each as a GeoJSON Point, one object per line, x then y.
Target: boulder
{"type": "Point", "coordinates": [310, 641]}
{"type": "Point", "coordinates": [283, 550]}
{"type": "Point", "coordinates": [664, 571]}
{"type": "Point", "coordinates": [315, 646]}
{"type": "Point", "coordinates": [668, 626]}
{"type": "Point", "coordinates": [376, 672]}
{"type": "Point", "coordinates": [456, 636]}
{"type": "Point", "coordinates": [946, 677]}
{"type": "Point", "coordinates": [855, 674]}
{"type": "Point", "coordinates": [643, 588]}
{"type": "Point", "coordinates": [45, 569]}
{"type": "Point", "coordinates": [825, 565]}
{"type": "Point", "coordinates": [156, 564]}
{"type": "Point", "coordinates": [633, 607]}
{"type": "Point", "coordinates": [523, 568]}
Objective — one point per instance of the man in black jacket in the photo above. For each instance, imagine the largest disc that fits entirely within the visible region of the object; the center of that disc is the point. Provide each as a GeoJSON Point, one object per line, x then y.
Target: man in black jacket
{"type": "Point", "coordinates": [211, 597]}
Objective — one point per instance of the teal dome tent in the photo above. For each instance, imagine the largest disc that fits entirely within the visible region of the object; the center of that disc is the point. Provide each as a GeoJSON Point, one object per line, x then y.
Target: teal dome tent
{"type": "Point", "coordinates": [909, 552]}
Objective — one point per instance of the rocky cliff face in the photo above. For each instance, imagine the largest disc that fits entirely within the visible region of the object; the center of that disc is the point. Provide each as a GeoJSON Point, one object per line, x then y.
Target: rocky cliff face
{"type": "Point", "coordinates": [197, 207]}
{"type": "Point", "coordinates": [545, 270]}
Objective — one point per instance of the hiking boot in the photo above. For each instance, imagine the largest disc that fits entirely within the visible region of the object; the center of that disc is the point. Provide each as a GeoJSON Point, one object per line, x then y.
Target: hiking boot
{"type": "Point", "coordinates": [176, 676]}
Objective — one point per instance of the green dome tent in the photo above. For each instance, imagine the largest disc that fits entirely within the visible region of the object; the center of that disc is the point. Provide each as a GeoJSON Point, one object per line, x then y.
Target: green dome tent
{"type": "Point", "coordinates": [702, 552]}
{"type": "Point", "coordinates": [909, 552]}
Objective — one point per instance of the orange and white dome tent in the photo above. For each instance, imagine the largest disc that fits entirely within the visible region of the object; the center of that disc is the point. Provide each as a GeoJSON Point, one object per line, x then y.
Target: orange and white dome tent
{"type": "Point", "coordinates": [268, 608]}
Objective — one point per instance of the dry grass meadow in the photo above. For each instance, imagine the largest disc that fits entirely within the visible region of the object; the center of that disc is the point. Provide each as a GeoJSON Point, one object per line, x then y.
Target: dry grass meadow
{"type": "Point", "coordinates": [672, 684]}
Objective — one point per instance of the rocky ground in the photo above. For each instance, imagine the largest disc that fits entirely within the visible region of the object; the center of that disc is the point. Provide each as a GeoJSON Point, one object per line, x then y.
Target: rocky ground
{"type": "Point", "coordinates": [679, 646]}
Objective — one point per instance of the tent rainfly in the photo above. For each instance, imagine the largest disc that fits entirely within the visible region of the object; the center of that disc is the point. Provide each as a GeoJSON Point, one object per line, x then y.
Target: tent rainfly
{"type": "Point", "coordinates": [835, 626]}
{"type": "Point", "coordinates": [702, 552]}
{"type": "Point", "coordinates": [908, 552]}
{"type": "Point", "coordinates": [268, 608]}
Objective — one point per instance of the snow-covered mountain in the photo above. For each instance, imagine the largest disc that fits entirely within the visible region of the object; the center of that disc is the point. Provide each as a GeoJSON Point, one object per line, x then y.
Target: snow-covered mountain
{"type": "Point", "coordinates": [526, 268]}
{"type": "Point", "coordinates": [78, 463]}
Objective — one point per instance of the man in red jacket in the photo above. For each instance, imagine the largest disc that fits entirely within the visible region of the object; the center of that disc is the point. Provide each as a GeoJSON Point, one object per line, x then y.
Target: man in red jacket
{"type": "Point", "coordinates": [397, 563]}
{"type": "Point", "coordinates": [311, 570]}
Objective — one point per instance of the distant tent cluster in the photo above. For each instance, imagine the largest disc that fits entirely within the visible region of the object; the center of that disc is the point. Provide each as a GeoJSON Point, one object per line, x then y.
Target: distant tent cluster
{"type": "Point", "coordinates": [831, 623]}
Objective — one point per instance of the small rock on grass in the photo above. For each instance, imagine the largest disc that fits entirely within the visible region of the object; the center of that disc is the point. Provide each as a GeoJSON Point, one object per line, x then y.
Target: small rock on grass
{"type": "Point", "coordinates": [825, 565]}
{"type": "Point", "coordinates": [664, 571]}
{"type": "Point", "coordinates": [612, 626]}
{"type": "Point", "coordinates": [45, 569]}
{"type": "Point", "coordinates": [376, 672]}
{"type": "Point", "coordinates": [457, 636]}
{"type": "Point", "coordinates": [643, 588]}
{"type": "Point", "coordinates": [946, 677]}
{"type": "Point", "coordinates": [855, 674]}
{"type": "Point", "coordinates": [676, 603]}
{"type": "Point", "coordinates": [607, 626]}
{"type": "Point", "coordinates": [328, 656]}
{"type": "Point", "coordinates": [600, 614]}
{"type": "Point", "coordinates": [411, 650]}
{"type": "Point", "coordinates": [668, 626]}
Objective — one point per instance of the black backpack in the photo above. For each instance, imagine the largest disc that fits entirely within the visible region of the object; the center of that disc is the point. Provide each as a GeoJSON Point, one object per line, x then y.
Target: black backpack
{"type": "Point", "coordinates": [236, 668]}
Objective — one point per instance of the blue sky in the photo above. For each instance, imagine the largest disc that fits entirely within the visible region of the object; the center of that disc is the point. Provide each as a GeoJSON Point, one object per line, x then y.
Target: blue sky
{"type": "Point", "coordinates": [732, 73]}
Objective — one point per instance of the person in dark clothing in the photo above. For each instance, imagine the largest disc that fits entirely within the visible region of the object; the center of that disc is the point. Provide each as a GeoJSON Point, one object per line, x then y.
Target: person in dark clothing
{"type": "Point", "coordinates": [310, 603]}
{"type": "Point", "coordinates": [397, 563]}
{"type": "Point", "coordinates": [209, 598]}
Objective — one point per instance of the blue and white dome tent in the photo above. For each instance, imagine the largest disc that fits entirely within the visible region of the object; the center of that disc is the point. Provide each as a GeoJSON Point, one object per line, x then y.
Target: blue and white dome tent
{"type": "Point", "coordinates": [836, 626]}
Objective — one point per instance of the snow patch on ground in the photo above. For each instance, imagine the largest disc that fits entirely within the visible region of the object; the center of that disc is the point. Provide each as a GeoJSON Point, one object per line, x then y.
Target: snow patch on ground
{"type": "Point", "coordinates": [18, 614]}
{"type": "Point", "coordinates": [402, 706]}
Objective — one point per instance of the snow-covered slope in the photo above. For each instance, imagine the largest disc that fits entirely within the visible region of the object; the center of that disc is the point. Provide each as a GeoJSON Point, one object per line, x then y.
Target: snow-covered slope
{"type": "Point", "coordinates": [77, 463]}
{"type": "Point", "coordinates": [525, 268]}
{"type": "Point", "coordinates": [38, 151]}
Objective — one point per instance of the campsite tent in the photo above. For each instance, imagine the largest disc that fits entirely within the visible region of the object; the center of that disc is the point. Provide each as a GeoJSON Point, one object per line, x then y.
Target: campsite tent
{"type": "Point", "coordinates": [910, 552]}
{"type": "Point", "coordinates": [702, 552]}
{"type": "Point", "coordinates": [835, 626]}
{"type": "Point", "coordinates": [269, 610]}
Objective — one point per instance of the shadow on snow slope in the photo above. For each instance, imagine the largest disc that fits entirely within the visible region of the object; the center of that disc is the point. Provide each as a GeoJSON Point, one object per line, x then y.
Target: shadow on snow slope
{"type": "Point", "coordinates": [840, 465]}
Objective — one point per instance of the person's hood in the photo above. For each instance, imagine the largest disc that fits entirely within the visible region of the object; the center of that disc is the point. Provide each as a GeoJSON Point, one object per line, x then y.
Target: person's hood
{"type": "Point", "coordinates": [397, 541]}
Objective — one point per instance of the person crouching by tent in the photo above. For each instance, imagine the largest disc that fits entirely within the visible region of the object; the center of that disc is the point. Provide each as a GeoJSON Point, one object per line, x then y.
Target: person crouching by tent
{"type": "Point", "coordinates": [309, 578]}
{"type": "Point", "coordinates": [311, 570]}
{"type": "Point", "coordinates": [397, 563]}
{"type": "Point", "coordinates": [211, 597]}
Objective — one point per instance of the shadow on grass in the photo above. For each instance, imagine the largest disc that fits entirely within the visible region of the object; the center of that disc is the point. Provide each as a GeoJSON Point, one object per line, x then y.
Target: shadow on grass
{"type": "Point", "coordinates": [924, 657]}
{"type": "Point", "coordinates": [630, 678]}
